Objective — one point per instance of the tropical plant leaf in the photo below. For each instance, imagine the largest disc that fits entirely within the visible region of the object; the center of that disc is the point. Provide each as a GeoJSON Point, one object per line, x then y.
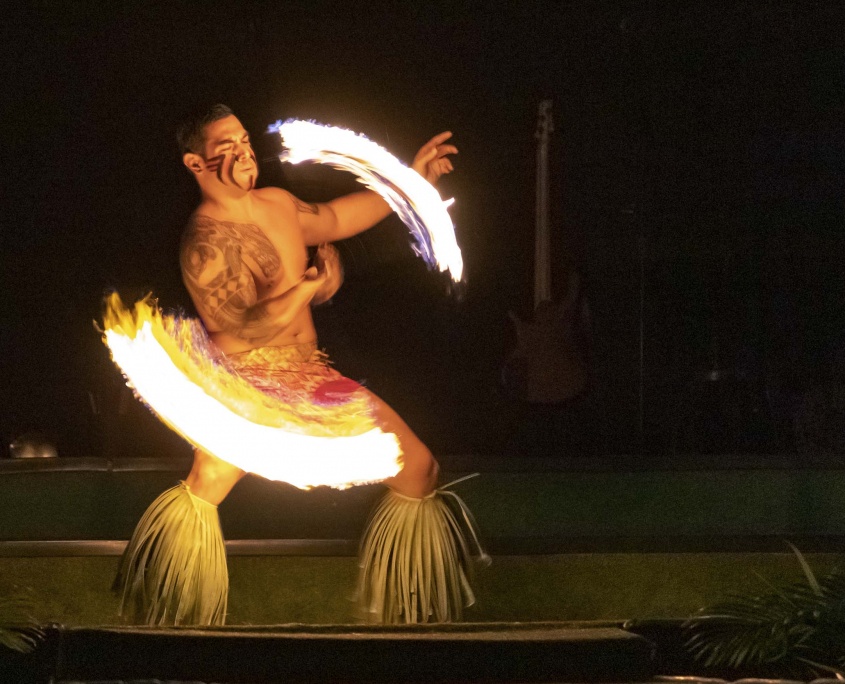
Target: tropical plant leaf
{"type": "Point", "coordinates": [19, 631]}
{"type": "Point", "coordinates": [796, 628]}
{"type": "Point", "coordinates": [808, 572]}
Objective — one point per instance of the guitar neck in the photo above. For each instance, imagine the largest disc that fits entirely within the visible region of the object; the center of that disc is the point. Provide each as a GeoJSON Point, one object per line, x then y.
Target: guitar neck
{"type": "Point", "coordinates": [542, 237]}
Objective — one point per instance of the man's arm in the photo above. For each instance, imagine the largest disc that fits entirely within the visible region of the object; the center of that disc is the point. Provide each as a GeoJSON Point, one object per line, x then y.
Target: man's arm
{"type": "Point", "coordinates": [223, 287]}
{"type": "Point", "coordinates": [340, 218]}
{"type": "Point", "coordinates": [352, 214]}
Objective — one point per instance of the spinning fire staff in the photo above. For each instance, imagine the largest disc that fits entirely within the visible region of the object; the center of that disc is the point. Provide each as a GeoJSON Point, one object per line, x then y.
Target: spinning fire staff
{"type": "Point", "coordinates": [254, 366]}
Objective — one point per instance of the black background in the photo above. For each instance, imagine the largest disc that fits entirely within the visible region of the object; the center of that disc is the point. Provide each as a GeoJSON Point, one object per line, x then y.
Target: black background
{"type": "Point", "coordinates": [697, 173]}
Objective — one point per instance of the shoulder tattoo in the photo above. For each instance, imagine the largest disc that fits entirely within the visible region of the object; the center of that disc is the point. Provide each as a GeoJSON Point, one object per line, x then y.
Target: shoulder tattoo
{"type": "Point", "coordinates": [306, 207]}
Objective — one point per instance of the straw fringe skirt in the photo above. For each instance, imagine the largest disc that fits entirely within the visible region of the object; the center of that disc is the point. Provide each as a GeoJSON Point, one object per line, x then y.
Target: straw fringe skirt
{"type": "Point", "coordinates": [416, 560]}
{"type": "Point", "coordinates": [173, 571]}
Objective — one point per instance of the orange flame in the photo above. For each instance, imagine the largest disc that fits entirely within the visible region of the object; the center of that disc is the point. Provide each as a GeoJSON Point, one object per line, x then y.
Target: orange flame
{"type": "Point", "coordinates": [222, 414]}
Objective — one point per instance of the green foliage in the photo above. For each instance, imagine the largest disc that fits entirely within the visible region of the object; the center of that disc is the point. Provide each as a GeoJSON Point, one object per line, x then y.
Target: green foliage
{"type": "Point", "coordinates": [18, 629]}
{"type": "Point", "coordinates": [795, 629]}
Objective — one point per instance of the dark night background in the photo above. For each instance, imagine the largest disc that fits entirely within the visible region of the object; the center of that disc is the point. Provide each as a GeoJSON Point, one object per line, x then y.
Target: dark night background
{"type": "Point", "coordinates": [697, 175]}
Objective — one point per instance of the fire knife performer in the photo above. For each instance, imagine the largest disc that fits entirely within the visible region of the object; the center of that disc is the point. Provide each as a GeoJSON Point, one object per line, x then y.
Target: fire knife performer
{"type": "Point", "coordinates": [244, 262]}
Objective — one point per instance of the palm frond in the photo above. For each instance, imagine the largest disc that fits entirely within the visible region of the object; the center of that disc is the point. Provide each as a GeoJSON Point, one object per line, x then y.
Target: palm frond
{"type": "Point", "coordinates": [796, 628]}
{"type": "Point", "coordinates": [808, 572]}
{"type": "Point", "coordinates": [19, 631]}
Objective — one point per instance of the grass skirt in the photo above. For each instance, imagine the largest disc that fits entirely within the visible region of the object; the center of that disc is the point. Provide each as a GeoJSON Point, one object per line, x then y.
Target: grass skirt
{"type": "Point", "coordinates": [173, 571]}
{"type": "Point", "coordinates": [416, 560]}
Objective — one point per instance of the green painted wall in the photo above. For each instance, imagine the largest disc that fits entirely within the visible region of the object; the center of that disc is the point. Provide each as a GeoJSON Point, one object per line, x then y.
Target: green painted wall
{"type": "Point", "coordinates": [106, 505]}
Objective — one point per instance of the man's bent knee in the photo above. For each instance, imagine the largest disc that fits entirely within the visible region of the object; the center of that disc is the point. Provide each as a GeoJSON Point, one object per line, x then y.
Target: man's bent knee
{"type": "Point", "coordinates": [418, 477]}
{"type": "Point", "coordinates": [211, 478]}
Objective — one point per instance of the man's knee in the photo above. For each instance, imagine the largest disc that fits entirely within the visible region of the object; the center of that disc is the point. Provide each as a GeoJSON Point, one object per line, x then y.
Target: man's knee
{"type": "Point", "coordinates": [432, 467]}
{"type": "Point", "coordinates": [418, 477]}
{"type": "Point", "coordinates": [212, 478]}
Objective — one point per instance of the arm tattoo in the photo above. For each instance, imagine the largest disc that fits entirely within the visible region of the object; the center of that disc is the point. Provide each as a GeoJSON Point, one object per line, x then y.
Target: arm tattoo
{"type": "Point", "coordinates": [214, 272]}
{"type": "Point", "coordinates": [306, 207]}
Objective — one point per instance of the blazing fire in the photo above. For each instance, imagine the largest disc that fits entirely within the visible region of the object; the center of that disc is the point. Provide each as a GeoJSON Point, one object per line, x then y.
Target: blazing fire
{"type": "Point", "coordinates": [163, 360]}
{"type": "Point", "coordinates": [415, 200]}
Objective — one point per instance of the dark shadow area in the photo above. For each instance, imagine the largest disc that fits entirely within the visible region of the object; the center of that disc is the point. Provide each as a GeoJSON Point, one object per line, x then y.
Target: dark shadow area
{"type": "Point", "coordinates": [696, 173]}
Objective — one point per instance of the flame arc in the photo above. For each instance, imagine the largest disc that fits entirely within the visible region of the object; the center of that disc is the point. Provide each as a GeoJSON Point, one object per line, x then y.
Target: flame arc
{"type": "Point", "coordinates": [224, 415]}
{"type": "Point", "coordinates": [414, 199]}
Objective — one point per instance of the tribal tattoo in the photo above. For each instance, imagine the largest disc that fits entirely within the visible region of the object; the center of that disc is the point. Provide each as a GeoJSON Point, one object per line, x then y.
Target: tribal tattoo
{"type": "Point", "coordinates": [306, 207]}
{"type": "Point", "coordinates": [212, 259]}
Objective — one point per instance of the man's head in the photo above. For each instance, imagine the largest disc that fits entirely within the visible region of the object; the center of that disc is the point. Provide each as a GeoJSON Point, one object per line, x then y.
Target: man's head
{"type": "Point", "coordinates": [191, 132]}
{"type": "Point", "coordinates": [216, 149]}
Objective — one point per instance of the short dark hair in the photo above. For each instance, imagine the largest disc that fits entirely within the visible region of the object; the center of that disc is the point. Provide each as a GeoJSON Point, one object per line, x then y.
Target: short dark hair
{"type": "Point", "coordinates": [191, 132]}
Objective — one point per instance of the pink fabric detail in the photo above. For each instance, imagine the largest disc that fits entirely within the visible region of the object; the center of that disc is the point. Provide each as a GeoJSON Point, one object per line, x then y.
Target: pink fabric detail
{"type": "Point", "coordinates": [335, 391]}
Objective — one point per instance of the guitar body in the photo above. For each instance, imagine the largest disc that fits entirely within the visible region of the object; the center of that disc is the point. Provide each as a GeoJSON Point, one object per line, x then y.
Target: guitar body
{"type": "Point", "coordinates": [548, 365]}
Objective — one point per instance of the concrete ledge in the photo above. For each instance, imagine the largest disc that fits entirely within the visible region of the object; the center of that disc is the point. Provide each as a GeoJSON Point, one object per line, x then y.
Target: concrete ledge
{"type": "Point", "coordinates": [357, 653]}
{"type": "Point", "coordinates": [498, 546]}
{"type": "Point", "coordinates": [483, 463]}
{"type": "Point", "coordinates": [236, 547]}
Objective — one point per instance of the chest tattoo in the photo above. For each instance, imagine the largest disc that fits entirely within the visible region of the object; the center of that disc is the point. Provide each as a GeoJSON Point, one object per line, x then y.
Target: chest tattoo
{"type": "Point", "coordinates": [208, 239]}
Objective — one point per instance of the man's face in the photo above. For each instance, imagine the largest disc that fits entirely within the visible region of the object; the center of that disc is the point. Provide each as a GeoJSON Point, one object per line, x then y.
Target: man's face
{"type": "Point", "coordinates": [228, 154]}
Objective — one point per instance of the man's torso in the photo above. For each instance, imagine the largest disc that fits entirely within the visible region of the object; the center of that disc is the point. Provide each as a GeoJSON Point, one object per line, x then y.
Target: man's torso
{"type": "Point", "coordinates": [269, 242]}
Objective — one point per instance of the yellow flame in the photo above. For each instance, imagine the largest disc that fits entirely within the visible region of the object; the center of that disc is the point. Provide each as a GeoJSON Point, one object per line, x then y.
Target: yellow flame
{"type": "Point", "coordinates": [412, 197]}
{"type": "Point", "coordinates": [224, 415]}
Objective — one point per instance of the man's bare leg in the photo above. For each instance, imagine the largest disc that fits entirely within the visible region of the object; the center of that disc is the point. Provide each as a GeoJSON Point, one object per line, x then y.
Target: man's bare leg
{"type": "Point", "coordinates": [418, 477]}
{"type": "Point", "coordinates": [398, 581]}
{"type": "Point", "coordinates": [211, 479]}
{"type": "Point", "coordinates": [174, 568]}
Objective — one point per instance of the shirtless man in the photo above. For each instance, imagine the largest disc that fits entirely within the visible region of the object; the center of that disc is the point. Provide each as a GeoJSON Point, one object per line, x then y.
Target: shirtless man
{"type": "Point", "coordinates": [244, 262]}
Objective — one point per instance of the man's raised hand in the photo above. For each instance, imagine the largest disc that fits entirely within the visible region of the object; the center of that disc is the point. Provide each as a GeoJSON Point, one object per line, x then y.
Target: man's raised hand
{"type": "Point", "coordinates": [431, 161]}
